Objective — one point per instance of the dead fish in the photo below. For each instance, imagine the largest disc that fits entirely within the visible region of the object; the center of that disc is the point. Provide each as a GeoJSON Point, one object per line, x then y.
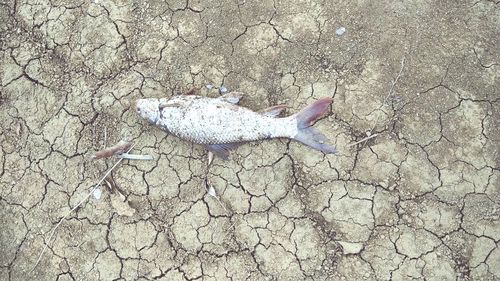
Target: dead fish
{"type": "Point", "coordinates": [220, 124]}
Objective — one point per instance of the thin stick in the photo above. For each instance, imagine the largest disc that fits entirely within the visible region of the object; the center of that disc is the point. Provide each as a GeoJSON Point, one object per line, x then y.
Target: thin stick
{"type": "Point", "coordinates": [105, 138]}
{"type": "Point", "coordinates": [221, 204]}
{"type": "Point", "coordinates": [391, 91]}
{"type": "Point", "coordinates": [229, 228]}
{"type": "Point", "coordinates": [135, 156]}
{"type": "Point", "coordinates": [365, 139]}
{"type": "Point", "coordinates": [393, 83]}
{"type": "Point", "coordinates": [110, 151]}
{"type": "Point", "coordinates": [233, 224]}
{"type": "Point", "coordinates": [74, 208]}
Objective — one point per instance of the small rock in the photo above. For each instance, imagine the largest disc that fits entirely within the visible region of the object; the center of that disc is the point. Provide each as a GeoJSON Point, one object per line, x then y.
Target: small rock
{"type": "Point", "coordinates": [351, 248]}
{"type": "Point", "coordinates": [222, 89]}
{"type": "Point", "coordinates": [209, 86]}
{"type": "Point", "coordinates": [97, 193]}
{"type": "Point", "coordinates": [340, 31]}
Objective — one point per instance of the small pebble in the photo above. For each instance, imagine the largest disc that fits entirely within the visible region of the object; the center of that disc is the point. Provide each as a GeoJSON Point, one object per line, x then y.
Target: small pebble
{"type": "Point", "coordinates": [222, 89]}
{"type": "Point", "coordinates": [97, 193]}
{"type": "Point", "coordinates": [340, 31]}
{"type": "Point", "coordinates": [209, 86]}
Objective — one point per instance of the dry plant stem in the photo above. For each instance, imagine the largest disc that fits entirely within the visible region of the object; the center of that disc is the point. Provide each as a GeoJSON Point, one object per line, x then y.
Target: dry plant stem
{"type": "Point", "coordinates": [391, 91]}
{"type": "Point", "coordinates": [227, 230]}
{"type": "Point", "coordinates": [221, 204]}
{"type": "Point", "coordinates": [110, 151]}
{"type": "Point", "coordinates": [75, 207]}
{"type": "Point", "coordinates": [109, 185]}
{"type": "Point", "coordinates": [393, 84]}
{"type": "Point", "coordinates": [365, 139]}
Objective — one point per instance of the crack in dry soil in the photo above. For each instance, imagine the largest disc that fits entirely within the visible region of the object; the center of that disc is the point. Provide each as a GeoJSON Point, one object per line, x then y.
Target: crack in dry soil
{"type": "Point", "coordinates": [420, 200]}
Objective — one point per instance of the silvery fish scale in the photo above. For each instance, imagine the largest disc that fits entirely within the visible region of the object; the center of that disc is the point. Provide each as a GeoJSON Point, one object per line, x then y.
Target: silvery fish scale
{"type": "Point", "coordinates": [215, 121]}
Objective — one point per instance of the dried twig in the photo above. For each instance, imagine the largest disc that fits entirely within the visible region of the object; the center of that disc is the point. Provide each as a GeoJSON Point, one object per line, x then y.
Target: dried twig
{"type": "Point", "coordinates": [229, 228]}
{"type": "Point", "coordinates": [365, 139]}
{"type": "Point", "coordinates": [118, 148]}
{"type": "Point", "coordinates": [109, 184]}
{"type": "Point", "coordinates": [76, 206]}
{"type": "Point", "coordinates": [393, 83]}
{"type": "Point", "coordinates": [391, 91]}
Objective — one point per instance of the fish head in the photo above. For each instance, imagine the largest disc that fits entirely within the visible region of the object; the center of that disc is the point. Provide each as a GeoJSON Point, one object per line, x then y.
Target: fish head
{"type": "Point", "coordinates": [148, 109]}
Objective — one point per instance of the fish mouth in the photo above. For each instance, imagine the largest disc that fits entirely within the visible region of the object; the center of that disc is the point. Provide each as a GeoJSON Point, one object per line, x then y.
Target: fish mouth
{"type": "Point", "coordinates": [136, 103]}
{"type": "Point", "coordinates": [148, 109]}
{"type": "Point", "coordinates": [139, 105]}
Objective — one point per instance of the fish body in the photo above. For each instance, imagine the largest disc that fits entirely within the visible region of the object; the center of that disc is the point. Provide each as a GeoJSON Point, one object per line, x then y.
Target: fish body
{"type": "Point", "coordinates": [220, 124]}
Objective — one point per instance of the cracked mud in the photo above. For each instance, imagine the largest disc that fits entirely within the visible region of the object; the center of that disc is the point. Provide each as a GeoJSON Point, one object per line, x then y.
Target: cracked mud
{"type": "Point", "coordinates": [419, 200]}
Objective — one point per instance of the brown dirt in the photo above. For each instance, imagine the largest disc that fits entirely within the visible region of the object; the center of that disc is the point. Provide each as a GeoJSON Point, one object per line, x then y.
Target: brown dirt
{"type": "Point", "coordinates": [418, 201]}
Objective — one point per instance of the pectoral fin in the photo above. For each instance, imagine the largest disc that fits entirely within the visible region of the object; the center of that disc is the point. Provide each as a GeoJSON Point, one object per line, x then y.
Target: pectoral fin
{"type": "Point", "coordinates": [192, 91]}
{"type": "Point", "coordinates": [162, 105]}
{"type": "Point", "coordinates": [273, 111]}
{"type": "Point", "coordinates": [232, 97]}
{"type": "Point", "coordinates": [222, 150]}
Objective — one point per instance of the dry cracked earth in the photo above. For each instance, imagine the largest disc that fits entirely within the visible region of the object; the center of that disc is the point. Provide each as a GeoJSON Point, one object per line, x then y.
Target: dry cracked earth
{"type": "Point", "coordinates": [412, 194]}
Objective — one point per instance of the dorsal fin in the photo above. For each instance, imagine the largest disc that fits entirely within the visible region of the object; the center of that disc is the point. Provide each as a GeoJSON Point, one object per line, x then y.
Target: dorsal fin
{"type": "Point", "coordinates": [273, 111]}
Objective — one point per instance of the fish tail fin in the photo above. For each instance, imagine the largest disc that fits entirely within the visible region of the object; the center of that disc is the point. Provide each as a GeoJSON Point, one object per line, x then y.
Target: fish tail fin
{"type": "Point", "coordinates": [307, 134]}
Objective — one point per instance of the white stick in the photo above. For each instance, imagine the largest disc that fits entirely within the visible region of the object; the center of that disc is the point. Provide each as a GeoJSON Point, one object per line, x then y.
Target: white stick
{"type": "Point", "coordinates": [134, 156]}
{"type": "Point", "coordinates": [75, 207]}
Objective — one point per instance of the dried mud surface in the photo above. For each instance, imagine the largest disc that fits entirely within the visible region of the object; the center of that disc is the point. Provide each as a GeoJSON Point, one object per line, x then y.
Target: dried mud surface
{"type": "Point", "coordinates": [420, 200]}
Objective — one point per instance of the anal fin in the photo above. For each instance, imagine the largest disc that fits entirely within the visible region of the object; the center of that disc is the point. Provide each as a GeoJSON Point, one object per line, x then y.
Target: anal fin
{"type": "Point", "coordinates": [192, 91]}
{"type": "Point", "coordinates": [232, 97]}
{"type": "Point", "coordinates": [222, 150]}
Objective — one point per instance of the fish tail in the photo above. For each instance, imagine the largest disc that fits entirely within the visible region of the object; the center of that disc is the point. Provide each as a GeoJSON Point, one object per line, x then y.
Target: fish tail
{"type": "Point", "coordinates": [307, 134]}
